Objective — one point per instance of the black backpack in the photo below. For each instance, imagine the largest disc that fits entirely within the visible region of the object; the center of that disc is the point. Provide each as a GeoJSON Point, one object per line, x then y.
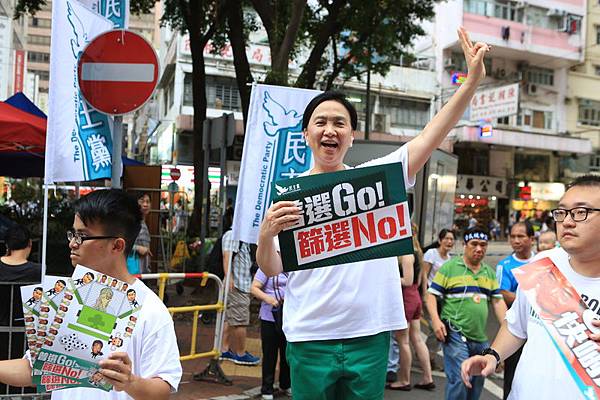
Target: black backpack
{"type": "Point", "coordinates": [214, 262]}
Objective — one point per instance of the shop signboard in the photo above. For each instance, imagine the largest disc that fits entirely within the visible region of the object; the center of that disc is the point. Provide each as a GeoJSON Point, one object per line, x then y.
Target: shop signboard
{"type": "Point", "coordinates": [481, 185]}
{"type": "Point", "coordinates": [547, 190]}
{"type": "Point", "coordinates": [495, 102]}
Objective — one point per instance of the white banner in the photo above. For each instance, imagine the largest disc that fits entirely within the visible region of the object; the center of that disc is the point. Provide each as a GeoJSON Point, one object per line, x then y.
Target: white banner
{"type": "Point", "coordinates": [274, 149]}
{"type": "Point", "coordinates": [495, 103]}
{"type": "Point", "coordinates": [78, 140]}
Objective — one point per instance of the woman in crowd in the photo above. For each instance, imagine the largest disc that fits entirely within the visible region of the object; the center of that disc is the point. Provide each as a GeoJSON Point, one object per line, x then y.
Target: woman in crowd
{"type": "Point", "coordinates": [413, 307]}
{"type": "Point", "coordinates": [436, 257]}
{"type": "Point", "coordinates": [138, 261]}
{"type": "Point", "coordinates": [337, 319]}
{"type": "Point", "coordinates": [271, 292]}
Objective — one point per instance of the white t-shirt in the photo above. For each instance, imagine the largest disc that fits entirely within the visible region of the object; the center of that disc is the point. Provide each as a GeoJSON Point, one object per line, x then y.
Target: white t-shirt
{"type": "Point", "coordinates": [433, 257]}
{"type": "Point", "coordinates": [348, 300]}
{"type": "Point", "coordinates": [541, 373]}
{"type": "Point", "coordinates": [153, 351]}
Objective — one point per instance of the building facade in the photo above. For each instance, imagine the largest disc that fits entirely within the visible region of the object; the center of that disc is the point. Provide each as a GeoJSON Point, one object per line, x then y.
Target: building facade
{"type": "Point", "coordinates": [12, 50]}
{"type": "Point", "coordinates": [509, 158]}
{"type": "Point", "coordinates": [401, 102]}
{"type": "Point", "coordinates": [583, 99]}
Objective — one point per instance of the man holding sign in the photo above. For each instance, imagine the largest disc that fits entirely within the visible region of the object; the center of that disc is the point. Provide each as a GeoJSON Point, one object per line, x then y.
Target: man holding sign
{"type": "Point", "coordinates": [338, 336]}
{"type": "Point", "coordinates": [578, 227]}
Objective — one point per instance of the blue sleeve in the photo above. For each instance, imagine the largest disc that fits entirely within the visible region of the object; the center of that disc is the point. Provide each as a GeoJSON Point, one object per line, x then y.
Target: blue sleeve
{"type": "Point", "coordinates": [507, 280]}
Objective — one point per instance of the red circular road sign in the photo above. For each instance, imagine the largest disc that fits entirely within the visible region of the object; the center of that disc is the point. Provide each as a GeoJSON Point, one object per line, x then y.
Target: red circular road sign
{"type": "Point", "coordinates": [175, 173]}
{"type": "Point", "coordinates": [117, 72]}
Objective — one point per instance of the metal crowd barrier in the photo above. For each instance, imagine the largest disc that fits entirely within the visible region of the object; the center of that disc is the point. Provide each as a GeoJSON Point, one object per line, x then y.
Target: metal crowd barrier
{"type": "Point", "coordinates": [213, 371]}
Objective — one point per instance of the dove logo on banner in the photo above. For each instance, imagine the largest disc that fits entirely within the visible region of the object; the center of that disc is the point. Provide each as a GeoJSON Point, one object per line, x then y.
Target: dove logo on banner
{"type": "Point", "coordinates": [78, 141]}
{"type": "Point", "coordinates": [274, 149]}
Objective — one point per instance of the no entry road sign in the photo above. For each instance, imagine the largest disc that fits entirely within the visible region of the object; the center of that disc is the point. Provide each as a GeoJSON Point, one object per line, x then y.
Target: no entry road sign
{"type": "Point", "coordinates": [175, 173]}
{"type": "Point", "coordinates": [118, 72]}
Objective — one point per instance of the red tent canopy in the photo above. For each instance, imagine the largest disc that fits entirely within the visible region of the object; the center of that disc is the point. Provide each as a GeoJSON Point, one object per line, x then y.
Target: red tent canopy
{"type": "Point", "coordinates": [21, 131]}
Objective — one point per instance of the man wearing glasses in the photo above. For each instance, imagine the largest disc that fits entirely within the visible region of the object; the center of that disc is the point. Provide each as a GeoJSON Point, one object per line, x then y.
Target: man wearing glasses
{"type": "Point", "coordinates": [541, 372]}
{"type": "Point", "coordinates": [105, 227]}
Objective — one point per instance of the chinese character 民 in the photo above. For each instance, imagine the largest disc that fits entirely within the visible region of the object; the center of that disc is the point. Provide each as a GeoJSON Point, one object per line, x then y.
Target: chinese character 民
{"type": "Point", "coordinates": [295, 148]}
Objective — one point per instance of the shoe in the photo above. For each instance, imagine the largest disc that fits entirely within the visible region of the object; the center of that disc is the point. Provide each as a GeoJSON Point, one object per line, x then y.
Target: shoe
{"type": "Point", "coordinates": [391, 376]}
{"type": "Point", "coordinates": [246, 359]}
{"type": "Point", "coordinates": [288, 392]}
{"type": "Point", "coordinates": [425, 386]}
{"type": "Point", "coordinates": [404, 388]}
{"type": "Point", "coordinates": [267, 397]}
{"type": "Point", "coordinates": [227, 356]}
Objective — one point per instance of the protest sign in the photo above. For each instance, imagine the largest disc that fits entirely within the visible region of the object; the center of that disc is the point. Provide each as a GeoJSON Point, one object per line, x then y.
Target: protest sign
{"type": "Point", "coordinates": [567, 319]}
{"type": "Point", "coordinates": [347, 216]}
{"type": "Point", "coordinates": [96, 315]}
{"type": "Point", "coordinates": [35, 299]}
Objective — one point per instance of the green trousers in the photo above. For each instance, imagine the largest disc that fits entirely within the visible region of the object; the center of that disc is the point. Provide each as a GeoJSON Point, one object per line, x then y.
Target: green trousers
{"type": "Point", "coordinates": [344, 369]}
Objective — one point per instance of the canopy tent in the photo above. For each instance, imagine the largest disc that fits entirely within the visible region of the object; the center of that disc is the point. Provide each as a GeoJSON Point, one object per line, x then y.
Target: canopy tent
{"type": "Point", "coordinates": [23, 138]}
{"type": "Point", "coordinates": [22, 102]}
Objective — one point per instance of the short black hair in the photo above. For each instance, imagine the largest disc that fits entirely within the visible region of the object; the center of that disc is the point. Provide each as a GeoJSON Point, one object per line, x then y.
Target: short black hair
{"type": "Point", "coordinates": [585, 180]}
{"type": "Point", "coordinates": [528, 227]}
{"type": "Point", "coordinates": [326, 96]}
{"type": "Point", "coordinates": [131, 290]}
{"type": "Point", "coordinates": [61, 281]}
{"type": "Point", "coordinates": [98, 342]}
{"type": "Point", "coordinates": [116, 211]}
{"type": "Point", "coordinates": [17, 237]}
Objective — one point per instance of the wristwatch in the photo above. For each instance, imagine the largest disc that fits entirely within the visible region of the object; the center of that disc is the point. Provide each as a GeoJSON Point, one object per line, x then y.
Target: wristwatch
{"type": "Point", "coordinates": [493, 352]}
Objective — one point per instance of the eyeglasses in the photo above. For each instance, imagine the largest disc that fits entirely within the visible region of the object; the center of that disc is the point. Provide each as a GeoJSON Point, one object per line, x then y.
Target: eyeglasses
{"type": "Point", "coordinates": [79, 238]}
{"type": "Point", "coordinates": [578, 214]}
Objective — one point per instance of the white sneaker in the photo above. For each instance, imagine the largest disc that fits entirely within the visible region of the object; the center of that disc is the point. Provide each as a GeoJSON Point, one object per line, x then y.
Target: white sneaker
{"type": "Point", "coordinates": [288, 392]}
{"type": "Point", "coordinates": [267, 397]}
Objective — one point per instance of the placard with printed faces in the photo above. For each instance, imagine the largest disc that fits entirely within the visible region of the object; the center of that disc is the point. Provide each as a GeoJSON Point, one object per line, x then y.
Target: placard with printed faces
{"type": "Point", "coordinates": [91, 316]}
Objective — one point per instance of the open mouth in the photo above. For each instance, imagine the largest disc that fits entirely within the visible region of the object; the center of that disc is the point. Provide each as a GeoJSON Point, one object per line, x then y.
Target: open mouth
{"type": "Point", "coordinates": [329, 145]}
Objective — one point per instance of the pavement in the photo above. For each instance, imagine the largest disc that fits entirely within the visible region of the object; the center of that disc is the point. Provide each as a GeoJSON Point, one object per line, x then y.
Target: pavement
{"type": "Point", "coordinates": [246, 380]}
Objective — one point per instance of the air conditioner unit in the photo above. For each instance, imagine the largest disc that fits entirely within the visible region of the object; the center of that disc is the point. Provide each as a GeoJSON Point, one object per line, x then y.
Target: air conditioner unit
{"type": "Point", "coordinates": [449, 63]}
{"type": "Point", "coordinates": [531, 89]}
{"type": "Point", "coordinates": [380, 123]}
{"type": "Point", "coordinates": [555, 12]}
{"type": "Point", "coordinates": [500, 73]}
{"type": "Point", "coordinates": [520, 3]}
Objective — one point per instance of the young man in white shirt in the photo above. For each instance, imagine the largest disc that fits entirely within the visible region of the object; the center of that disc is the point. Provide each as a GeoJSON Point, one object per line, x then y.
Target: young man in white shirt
{"type": "Point", "coordinates": [104, 229]}
{"type": "Point", "coordinates": [541, 372]}
{"type": "Point", "coordinates": [521, 238]}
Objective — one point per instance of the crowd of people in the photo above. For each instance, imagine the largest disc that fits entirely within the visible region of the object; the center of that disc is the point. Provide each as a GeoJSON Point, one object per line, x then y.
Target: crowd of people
{"type": "Point", "coordinates": [331, 341]}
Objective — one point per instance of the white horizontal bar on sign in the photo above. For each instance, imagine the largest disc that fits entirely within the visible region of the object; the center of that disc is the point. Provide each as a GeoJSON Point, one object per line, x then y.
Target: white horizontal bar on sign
{"type": "Point", "coordinates": [117, 72]}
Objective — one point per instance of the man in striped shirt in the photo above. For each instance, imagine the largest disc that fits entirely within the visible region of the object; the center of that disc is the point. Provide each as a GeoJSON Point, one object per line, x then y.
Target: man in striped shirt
{"type": "Point", "coordinates": [466, 284]}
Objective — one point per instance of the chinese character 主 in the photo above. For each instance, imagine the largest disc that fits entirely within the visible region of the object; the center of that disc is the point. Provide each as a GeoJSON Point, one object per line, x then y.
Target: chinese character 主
{"type": "Point", "coordinates": [573, 330]}
{"type": "Point", "coordinates": [311, 242]}
{"type": "Point", "coordinates": [99, 151]}
{"type": "Point", "coordinates": [291, 173]}
{"type": "Point", "coordinates": [337, 235]}
{"type": "Point", "coordinates": [318, 208]}
{"type": "Point", "coordinates": [87, 113]}
{"type": "Point", "coordinates": [295, 148]}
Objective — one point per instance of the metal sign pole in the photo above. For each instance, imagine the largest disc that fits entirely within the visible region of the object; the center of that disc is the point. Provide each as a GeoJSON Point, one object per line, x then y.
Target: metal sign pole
{"type": "Point", "coordinates": [115, 176]}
